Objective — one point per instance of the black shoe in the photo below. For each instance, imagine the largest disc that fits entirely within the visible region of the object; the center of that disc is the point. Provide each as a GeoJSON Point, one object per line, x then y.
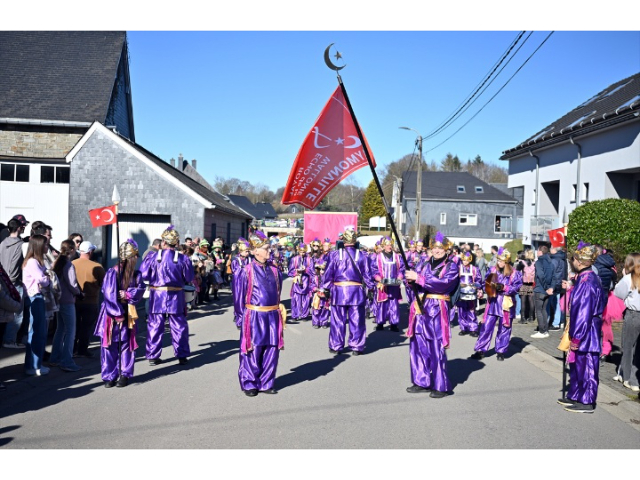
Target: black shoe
{"type": "Point", "coordinates": [474, 334]}
{"type": "Point", "coordinates": [500, 357]}
{"type": "Point", "coordinates": [316, 326]}
{"type": "Point", "coordinates": [271, 391]}
{"type": "Point", "coordinates": [325, 326]}
{"type": "Point", "coordinates": [522, 321]}
{"type": "Point", "coordinates": [183, 361]}
{"type": "Point", "coordinates": [394, 328]}
{"type": "Point", "coordinates": [379, 327]}
{"type": "Point", "coordinates": [437, 394]}
{"type": "Point", "coordinates": [251, 393]}
{"type": "Point", "coordinates": [122, 381]}
{"type": "Point", "coordinates": [477, 355]}
{"type": "Point", "coordinates": [417, 389]}
{"type": "Point", "coordinates": [567, 402]}
{"type": "Point", "coordinates": [554, 329]}
{"type": "Point", "coordinates": [580, 408]}
{"type": "Point", "coordinates": [462, 333]}
{"type": "Point", "coordinates": [238, 327]}
{"type": "Point", "coordinates": [355, 353]}
{"type": "Point", "coordinates": [109, 384]}
{"type": "Point", "coordinates": [335, 352]}
{"type": "Point", "coordinates": [155, 361]}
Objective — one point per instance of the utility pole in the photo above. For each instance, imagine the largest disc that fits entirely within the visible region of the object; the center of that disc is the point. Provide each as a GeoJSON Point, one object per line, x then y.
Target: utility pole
{"type": "Point", "coordinates": [418, 183]}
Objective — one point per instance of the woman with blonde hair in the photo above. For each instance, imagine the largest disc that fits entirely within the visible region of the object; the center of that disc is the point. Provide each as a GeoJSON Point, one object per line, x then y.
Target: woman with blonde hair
{"type": "Point", "coordinates": [628, 290]}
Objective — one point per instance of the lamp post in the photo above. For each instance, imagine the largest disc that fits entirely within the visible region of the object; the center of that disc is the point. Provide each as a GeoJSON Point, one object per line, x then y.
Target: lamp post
{"type": "Point", "coordinates": [418, 182]}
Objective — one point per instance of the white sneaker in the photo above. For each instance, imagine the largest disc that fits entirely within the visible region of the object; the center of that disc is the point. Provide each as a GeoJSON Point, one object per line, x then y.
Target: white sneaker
{"type": "Point", "coordinates": [618, 378]}
{"type": "Point", "coordinates": [634, 388]}
{"type": "Point", "coordinates": [540, 335]}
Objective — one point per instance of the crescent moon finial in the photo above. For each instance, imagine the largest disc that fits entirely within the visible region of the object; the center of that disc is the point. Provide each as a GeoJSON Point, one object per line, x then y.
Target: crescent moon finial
{"type": "Point", "coordinates": [328, 61]}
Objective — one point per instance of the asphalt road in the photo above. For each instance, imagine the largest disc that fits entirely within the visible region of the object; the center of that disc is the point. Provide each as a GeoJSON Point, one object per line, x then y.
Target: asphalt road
{"type": "Point", "coordinates": [324, 401]}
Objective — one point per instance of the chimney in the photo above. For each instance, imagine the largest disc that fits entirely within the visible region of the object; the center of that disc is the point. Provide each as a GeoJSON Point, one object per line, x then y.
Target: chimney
{"type": "Point", "coordinates": [173, 162]}
{"type": "Point", "coordinates": [194, 163]}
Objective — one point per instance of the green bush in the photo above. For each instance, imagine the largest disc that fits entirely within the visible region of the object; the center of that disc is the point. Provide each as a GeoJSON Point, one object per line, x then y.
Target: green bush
{"type": "Point", "coordinates": [514, 246]}
{"type": "Point", "coordinates": [613, 223]}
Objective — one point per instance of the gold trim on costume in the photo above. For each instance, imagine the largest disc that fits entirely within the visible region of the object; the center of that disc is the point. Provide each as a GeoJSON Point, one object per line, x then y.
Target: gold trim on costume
{"type": "Point", "coordinates": [258, 308]}
{"type": "Point", "coordinates": [438, 297]}
{"type": "Point", "coordinates": [346, 284]}
{"type": "Point", "coordinates": [167, 289]}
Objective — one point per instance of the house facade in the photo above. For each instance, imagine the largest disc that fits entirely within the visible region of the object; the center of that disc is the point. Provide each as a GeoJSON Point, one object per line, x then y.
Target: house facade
{"type": "Point", "coordinates": [462, 206]}
{"type": "Point", "coordinates": [590, 153]}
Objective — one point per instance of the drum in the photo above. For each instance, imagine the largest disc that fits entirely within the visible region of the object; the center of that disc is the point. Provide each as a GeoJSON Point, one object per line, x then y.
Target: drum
{"type": "Point", "coordinates": [490, 285]}
{"type": "Point", "coordinates": [468, 292]}
{"type": "Point", "coordinates": [394, 282]}
{"type": "Point", "coordinates": [189, 293]}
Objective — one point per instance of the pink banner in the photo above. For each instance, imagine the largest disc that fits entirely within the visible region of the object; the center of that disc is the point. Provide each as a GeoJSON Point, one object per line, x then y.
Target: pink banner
{"type": "Point", "coordinates": [321, 225]}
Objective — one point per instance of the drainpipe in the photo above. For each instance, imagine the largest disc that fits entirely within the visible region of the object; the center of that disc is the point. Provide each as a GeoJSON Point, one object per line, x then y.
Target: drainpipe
{"type": "Point", "coordinates": [537, 190]}
{"type": "Point", "coordinates": [578, 185]}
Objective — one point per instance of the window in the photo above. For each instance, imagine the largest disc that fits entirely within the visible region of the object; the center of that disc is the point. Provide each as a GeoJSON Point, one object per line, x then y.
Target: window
{"type": "Point", "coordinates": [574, 192]}
{"type": "Point", "coordinates": [443, 219]}
{"type": "Point", "coordinates": [54, 174]}
{"type": "Point", "coordinates": [470, 219]}
{"type": "Point", "coordinates": [213, 231]}
{"type": "Point", "coordinates": [461, 189]}
{"type": "Point", "coordinates": [479, 190]}
{"type": "Point", "coordinates": [502, 224]}
{"type": "Point", "coordinates": [10, 172]}
{"type": "Point", "coordinates": [585, 193]}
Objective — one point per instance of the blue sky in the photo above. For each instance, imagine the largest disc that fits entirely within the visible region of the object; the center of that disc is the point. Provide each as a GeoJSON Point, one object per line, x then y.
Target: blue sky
{"type": "Point", "coordinates": [241, 102]}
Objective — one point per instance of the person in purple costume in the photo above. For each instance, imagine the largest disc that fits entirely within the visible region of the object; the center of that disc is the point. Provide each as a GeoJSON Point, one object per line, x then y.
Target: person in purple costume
{"type": "Point", "coordinates": [238, 262]}
{"type": "Point", "coordinates": [585, 331]}
{"type": "Point", "coordinates": [470, 282]}
{"type": "Point", "coordinates": [429, 332]}
{"type": "Point", "coordinates": [500, 309]}
{"type": "Point", "coordinates": [167, 272]}
{"type": "Point", "coordinates": [344, 276]}
{"type": "Point", "coordinates": [387, 265]}
{"type": "Point", "coordinates": [321, 308]}
{"type": "Point", "coordinates": [300, 269]}
{"type": "Point", "coordinates": [117, 326]}
{"type": "Point", "coordinates": [372, 301]}
{"type": "Point", "coordinates": [263, 318]}
{"type": "Point", "coordinates": [412, 259]}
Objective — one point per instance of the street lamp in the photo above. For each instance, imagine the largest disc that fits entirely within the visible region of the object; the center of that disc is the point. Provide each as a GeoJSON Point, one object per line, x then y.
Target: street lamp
{"type": "Point", "coordinates": [419, 182]}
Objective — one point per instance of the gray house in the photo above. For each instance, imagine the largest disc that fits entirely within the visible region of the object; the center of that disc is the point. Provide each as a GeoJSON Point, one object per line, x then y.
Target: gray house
{"type": "Point", "coordinates": [463, 207]}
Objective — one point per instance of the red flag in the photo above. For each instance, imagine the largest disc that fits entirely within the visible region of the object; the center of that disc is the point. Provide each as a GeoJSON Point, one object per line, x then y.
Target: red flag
{"type": "Point", "coordinates": [558, 237]}
{"type": "Point", "coordinates": [330, 153]}
{"type": "Point", "coordinates": [103, 216]}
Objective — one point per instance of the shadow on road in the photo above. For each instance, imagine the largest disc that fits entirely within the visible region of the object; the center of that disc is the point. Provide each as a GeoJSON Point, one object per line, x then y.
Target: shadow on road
{"type": "Point", "coordinates": [310, 371]}
{"type": "Point", "coordinates": [460, 369]}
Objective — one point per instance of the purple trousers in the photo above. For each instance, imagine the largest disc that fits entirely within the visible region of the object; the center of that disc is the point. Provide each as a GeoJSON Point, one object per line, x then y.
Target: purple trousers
{"type": "Point", "coordinates": [357, 327]}
{"type": "Point", "coordinates": [300, 305]}
{"type": "Point", "coordinates": [320, 317]}
{"type": "Point", "coordinates": [467, 316]}
{"type": "Point", "coordinates": [258, 368]}
{"type": "Point", "coordinates": [428, 361]}
{"type": "Point", "coordinates": [109, 357]}
{"type": "Point", "coordinates": [486, 332]}
{"type": "Point", "coordinates": [179, 334]}
{"type": "Point", "coordinates": [388, 310]}
{"type": "Point", "coordinates": [583, 378]}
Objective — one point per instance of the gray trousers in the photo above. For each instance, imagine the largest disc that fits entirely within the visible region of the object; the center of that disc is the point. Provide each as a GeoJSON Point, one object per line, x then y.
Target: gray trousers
{"type": "Point", "coordinates": [541, 300]}
{"type": "Point", "coordinates": [630, 352]}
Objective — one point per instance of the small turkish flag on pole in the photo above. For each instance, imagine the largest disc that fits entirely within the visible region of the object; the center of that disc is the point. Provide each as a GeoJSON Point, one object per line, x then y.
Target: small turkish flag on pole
{"type": "Point", "coordinates": [558, 237]}
{"type": "Point", "coordinates": [103, 216]}
{"type": "Point", "coordinates": [330, 153]}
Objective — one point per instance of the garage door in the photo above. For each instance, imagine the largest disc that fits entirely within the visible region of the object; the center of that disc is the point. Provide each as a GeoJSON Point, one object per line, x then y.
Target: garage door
{"type": "Point", "coordinates": [142, 228]}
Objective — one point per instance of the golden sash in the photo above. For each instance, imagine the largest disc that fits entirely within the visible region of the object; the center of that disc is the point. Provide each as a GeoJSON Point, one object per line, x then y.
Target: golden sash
{"type": "Point", "coordinates": [346, 284]}
{"type": "Point", "coordinates": [259, 308]}
{"type": "Point", "coordinates": [167, 289]}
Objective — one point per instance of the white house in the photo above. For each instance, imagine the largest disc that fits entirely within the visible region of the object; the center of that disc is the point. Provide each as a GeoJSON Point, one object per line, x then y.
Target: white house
{"type": "Point", "coordinates": [591, 153]}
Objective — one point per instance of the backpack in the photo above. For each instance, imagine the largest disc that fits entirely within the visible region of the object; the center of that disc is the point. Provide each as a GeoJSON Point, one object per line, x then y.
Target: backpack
{"type": "Point", "coordinates": [529, 273]}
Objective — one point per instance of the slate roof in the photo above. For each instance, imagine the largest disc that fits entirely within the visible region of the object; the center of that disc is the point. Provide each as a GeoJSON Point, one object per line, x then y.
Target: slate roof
{"type": "Point", "coordinates": [220, 201]}
{"type": "Point", "coordinates": [618, 103]}
{"type": "Point", "coordinates": [245, 204]}
{"type": "Point", "coordinates": [58, 75]}
{"type": "Point", "coordinates": [267, 210]}
{"type": "Point", "coordinates": [444, 186]}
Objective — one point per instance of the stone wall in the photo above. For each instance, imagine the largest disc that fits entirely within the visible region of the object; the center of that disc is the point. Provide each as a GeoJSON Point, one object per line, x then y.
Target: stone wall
{"type": "Point", "coordinates": [38, 144]}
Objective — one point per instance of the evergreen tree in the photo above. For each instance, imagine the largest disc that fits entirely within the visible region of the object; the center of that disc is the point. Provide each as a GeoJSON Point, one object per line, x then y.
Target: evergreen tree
{"type": "Point", "coordinates": [372, 205]}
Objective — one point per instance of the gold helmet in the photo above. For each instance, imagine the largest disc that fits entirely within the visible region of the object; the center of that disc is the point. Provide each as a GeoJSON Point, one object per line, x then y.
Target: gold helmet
{"type": "Point", "coordinates": [349, 235]}
{"type": "Point", "coordinates": [439, 240]}
{"type": "Point", "coordinates": [258, 239]}
{"type": "Point", "coordinates": [503, 254]}
{"type": "Point", "coordinates": [243, 244]}
{"type": "Point", "coordinates": [128, 249]}
{"type": "Point", "coordinates": [585, 252]}
{"type": "Point", "coordinates": [171, 236]}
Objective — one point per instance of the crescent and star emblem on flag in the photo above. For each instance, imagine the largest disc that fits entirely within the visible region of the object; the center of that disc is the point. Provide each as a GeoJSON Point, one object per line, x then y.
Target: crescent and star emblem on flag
{"type": "Point", "coordinates": [339, 141]}
{"type": "Point", "coordinates": [103, 216]}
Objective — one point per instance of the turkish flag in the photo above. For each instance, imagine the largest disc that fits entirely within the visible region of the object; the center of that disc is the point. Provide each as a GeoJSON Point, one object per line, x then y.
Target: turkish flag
{"type": "Point", "coordinates": [558, 237]}
{"type": "Point", "coordinates": [103, 216]}
{"type": "Point", "coordinates": [330, 153]}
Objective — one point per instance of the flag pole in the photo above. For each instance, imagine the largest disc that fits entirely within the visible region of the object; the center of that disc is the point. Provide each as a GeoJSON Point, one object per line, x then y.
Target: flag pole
{"type": "Point", "coordinates": [115, 198]}
{"type": "Point", "coordinates": [375, 178]}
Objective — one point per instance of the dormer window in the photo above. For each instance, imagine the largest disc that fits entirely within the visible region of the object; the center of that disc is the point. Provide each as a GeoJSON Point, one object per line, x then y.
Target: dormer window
{"type": "Point", "coordinates": [461, 189]}
{"type": "Point", "coordinates": [479, 190]}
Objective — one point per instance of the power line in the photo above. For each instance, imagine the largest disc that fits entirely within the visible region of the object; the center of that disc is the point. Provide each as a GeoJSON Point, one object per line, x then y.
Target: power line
{"type": "Point", "coordinates": [453, 116]}
{"type": "Point", "coordinates": [494, 96]}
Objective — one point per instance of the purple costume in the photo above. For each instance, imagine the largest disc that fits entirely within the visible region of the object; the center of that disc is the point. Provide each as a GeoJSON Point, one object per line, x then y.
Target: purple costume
{"type": "Point", "coordinates": [321, 308]}
{"type": "Point", "coordinates": [110, 325]}
{"type": "Point", "coordinates": [429, 334]}
{"type": "Point", "coordinates": [372, 304]}
{"type": "Point", "coordinates": [237, 263]}
{"type": "Point", "coordinates": [469, 275]}
{"type": "Point", "coordinates": [388, 297]}
{"type": "Point", "coordinates": [261, 335]}
{"type": "Point", "coordinates": [347, 297]}
{"type": "Point", "coordinates": [166, 280]}
{"type": "Point", "coordinates": [300, 290]}
{"type": "Point", "coordinates": [585, 330]}
{"type": "Point", "coordinates": [412, 260]}
{"type": "Point", "coordinates": [494, 313]}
